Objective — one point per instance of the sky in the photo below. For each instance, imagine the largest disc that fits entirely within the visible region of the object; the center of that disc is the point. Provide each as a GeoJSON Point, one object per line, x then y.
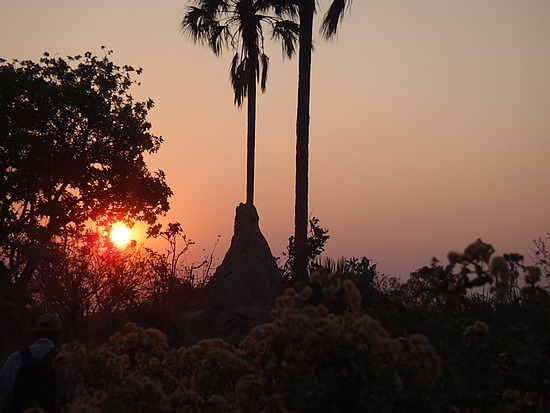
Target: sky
{"type": "Point", "coordinates": [430, 121]}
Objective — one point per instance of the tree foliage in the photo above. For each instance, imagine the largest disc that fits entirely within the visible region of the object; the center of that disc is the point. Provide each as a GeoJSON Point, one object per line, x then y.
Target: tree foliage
{"type": "Point", "coordinates": [93, 284]}
{"type": "Point", "coordinates": [239, 26]}
{"type": "Point", "coordinates": [85, 276]}
{"type": "Point", "coordinates": [317, 238]}
{"type": "Point", "coordinates": [73, 142]}
{"type": "Point", "coordinates": [541, 253]}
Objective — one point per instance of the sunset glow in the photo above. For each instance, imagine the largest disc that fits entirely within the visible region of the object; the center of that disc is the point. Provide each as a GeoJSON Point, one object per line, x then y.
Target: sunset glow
{"type": "Point", "coordinates": [425, 117]}
{"type": "Point", "coordinates": [120, 235]}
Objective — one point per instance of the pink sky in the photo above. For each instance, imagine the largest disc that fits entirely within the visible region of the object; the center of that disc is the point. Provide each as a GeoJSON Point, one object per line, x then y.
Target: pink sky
{"type": "Point", "coordinates": [430, 122]}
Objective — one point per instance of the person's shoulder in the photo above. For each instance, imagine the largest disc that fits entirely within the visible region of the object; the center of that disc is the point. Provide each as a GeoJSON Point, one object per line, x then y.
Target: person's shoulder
{"type": "Point", "coordinates": [13, 361]}
{"type": "Point", "coordinates": [13, 357]}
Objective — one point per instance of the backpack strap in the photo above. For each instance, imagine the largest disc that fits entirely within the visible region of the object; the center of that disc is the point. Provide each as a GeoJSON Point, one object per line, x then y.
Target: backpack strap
{"type": "Point", "coordinates": [51, 355]}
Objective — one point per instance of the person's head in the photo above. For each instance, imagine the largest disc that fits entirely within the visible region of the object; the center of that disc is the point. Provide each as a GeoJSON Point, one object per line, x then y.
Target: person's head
{"type": "Point", "coordinates": [48, 326]}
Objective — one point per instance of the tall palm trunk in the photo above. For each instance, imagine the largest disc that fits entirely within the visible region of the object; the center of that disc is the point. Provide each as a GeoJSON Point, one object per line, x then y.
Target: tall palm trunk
{"type": "Point", "coordinates": [251, 139]}
{"type": "Point", "coordinates": [306, 12]}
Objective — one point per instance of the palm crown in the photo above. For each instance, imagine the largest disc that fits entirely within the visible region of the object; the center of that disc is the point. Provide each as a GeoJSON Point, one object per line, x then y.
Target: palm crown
{"type": "Point", "coordinates": [239, 26]}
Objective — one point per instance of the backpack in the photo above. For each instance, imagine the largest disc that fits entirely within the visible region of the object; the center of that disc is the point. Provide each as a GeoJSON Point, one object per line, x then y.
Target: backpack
{"type": "Point", "coordinates": [35, 382]}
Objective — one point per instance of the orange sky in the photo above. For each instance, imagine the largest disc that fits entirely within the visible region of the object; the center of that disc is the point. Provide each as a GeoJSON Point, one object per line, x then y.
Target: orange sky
{"type": "Point", "coordinates": [430, 123]}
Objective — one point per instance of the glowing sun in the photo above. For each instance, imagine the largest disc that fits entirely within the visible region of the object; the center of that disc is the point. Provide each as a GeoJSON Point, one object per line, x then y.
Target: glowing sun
{"type": "Point", "coordinates": [120, 234]}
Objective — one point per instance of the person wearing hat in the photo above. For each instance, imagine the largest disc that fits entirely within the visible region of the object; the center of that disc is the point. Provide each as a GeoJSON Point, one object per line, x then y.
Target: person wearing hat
{"type": "Point", "coordinates": [47, 332]}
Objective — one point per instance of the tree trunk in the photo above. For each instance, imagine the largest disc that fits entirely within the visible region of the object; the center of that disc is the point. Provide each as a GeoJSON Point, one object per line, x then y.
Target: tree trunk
{"type": "Point", "coordinates": [251, 140]}
{"type": "Point", "coordinates": [302, 140]}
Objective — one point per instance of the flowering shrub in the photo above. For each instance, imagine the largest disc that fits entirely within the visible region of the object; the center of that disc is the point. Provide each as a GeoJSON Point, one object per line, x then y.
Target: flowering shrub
{"type": "Point", "coordinates": [447, 286]}
{"type": "Point", "coordinates": [136, 371]}
{"type": "Point", "coordinates": [442, 347]}
{"type": "Point", "coordinates": [490, 320]}
{"type": "Point", "coordinates": [321, 361]}
{"type": "Point", "coordinates": [306, 359]}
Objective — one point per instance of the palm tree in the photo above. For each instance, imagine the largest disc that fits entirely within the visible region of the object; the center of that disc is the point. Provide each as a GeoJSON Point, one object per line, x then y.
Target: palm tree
{"type": "Point", "coordinates": [306, 12]}
{"type": "Point", "coordinates": [238, 24]}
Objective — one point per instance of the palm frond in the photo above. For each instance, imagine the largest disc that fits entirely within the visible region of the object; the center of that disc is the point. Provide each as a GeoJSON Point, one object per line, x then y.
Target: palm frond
{"type": "Point", "coordinates": [264, 62]}
{"type": "Point", "coordinates": [333, 16]}
{"type": "Point", "coordinates": [218, 37]}
{"type": "Point", "coordinates": [196, 23]}
{"type": "Point", "coordinates": [238, 25]}
{"type": "Point", "coordinates": [287, 32]}
{"type": "Point", "coordinates": [202, 23]}
{"type": "Point", "coordinates": [238, 76]}
{"type": "Point", "coordinates": [285, 8]}
{"type": "Point", "coordinates": [219, 6]}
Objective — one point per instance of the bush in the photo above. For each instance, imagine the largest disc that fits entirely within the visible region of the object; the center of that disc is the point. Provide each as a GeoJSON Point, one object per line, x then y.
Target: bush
{"type": "Point", "coordinates": [331, 346]}
{"type": "Point", "coordinates": [306, 359]}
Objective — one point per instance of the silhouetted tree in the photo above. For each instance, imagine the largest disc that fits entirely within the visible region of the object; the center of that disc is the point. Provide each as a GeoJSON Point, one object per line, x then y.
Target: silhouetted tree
{"type": "Point", "coordinates": [328, 28]}
{"type": "Point", "coordinates": [238, 24]}
{"type": "Point", "coordinates": [72, 145]}
{"type": "Point", "coordinates": [541, 253]}
{"type": "Point", "coordinates": [86, 275]}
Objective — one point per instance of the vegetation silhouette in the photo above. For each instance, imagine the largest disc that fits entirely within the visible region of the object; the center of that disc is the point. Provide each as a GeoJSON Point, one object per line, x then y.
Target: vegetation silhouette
{"type": "Point", "coordinates": [468, 335]}
{"type": "Point", "coordinates": [350, 341]}
{"type": "Point", "coordinates": [316, 240]}
{"type": "Point", "coordinates": [217, 23]}
{"type": "Point", "coordinates": [239, 26]}
{"type": "Point", "coordinates": [73, 145]}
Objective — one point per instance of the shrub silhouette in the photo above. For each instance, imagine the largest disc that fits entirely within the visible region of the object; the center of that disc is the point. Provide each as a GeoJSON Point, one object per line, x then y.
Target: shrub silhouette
{"type": "Point", "coordinates": [325, 349]}
{"type": "Point", "coordinates": [306, 359]}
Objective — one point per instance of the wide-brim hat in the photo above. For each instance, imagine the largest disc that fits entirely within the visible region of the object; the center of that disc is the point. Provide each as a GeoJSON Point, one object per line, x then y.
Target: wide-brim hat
{"type": "Point", "coordinates": [48, 322]}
